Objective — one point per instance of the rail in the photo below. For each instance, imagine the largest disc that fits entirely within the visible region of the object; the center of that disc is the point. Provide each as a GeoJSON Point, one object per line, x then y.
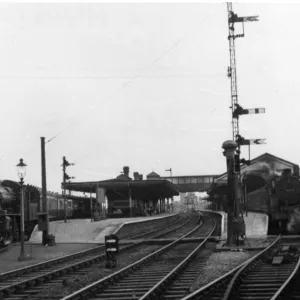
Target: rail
{"type": "Point", "coordinates": [50, 272]}
{"type": "Point", "coordinates": [224, 279]}
{"type": "Point", "coordinates": [174, 272]}
{"type": "Point", "coordinates": [47, 263]}
{"type": "Point", "coordinates": [96, 286]}
{"type": "Point", "coordinates": [288, 282]}
{"type": "Point", "coordinates": [246, 267]}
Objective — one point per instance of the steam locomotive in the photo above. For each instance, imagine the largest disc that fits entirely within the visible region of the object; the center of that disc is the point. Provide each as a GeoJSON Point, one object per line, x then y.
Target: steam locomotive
{"type": "Point", "coordinates": [279, 198]}
{"type": "Point", "coordinates": [10, 196]}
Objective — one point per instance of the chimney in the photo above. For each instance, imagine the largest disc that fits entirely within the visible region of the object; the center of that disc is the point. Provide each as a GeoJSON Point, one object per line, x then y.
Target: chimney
{"type": "Point", "coordinates": [140, 177]}
{"type": "Point", "coordinates": [126, 171]}
{"type": "Point", "coordinates": [136, 175]}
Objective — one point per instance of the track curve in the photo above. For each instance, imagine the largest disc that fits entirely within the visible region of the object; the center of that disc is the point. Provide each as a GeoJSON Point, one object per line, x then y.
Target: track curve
{"type": "Point", "coordinates": [148, 277]}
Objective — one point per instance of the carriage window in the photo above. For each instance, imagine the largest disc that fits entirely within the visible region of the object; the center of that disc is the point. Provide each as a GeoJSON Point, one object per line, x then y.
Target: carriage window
{"type": "Point", "coordinates": [181, 180]}
{"type": "Point", "coordinates": [193, 180]}
{"type": "Point", "coordinates": [206, 179]}
{"type": "Point", "coordinates": [200, 180]}
{"type": "Point", "coordinates": [175, 180]}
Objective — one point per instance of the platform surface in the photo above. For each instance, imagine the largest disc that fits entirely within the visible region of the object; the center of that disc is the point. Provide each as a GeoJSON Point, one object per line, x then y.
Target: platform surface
{"type": "Point", "coordinates": [85, 231]}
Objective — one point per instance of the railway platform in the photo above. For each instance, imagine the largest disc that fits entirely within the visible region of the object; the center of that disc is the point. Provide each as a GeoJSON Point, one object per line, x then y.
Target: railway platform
{"type": "Point", "coordinates": [85, 231]}
{"type": "Point", "coordinates": [256, 225]}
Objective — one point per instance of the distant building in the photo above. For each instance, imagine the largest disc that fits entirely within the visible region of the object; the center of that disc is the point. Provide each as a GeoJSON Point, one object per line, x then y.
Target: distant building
{"type": "Point", "coordinates": [153, 176]}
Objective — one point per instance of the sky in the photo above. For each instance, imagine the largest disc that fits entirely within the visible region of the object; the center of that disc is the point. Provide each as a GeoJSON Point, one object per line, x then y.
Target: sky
{"type": "Point", "coordinates": [142, 85]}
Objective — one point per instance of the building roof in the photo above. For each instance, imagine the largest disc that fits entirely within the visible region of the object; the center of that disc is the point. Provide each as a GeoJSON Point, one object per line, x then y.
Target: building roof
{"type": "Point", "coordinates": [153, 174]}
{"type": "Point", "coordinates": [140, 189]}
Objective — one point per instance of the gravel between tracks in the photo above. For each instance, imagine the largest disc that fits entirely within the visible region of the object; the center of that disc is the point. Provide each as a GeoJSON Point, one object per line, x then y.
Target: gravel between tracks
{"type": "Point", "coordinates": [63, 287]}
{"type": "Point", "coordinates": [9, 260]}
{"type": "Point", "coordinates": [218, 264]}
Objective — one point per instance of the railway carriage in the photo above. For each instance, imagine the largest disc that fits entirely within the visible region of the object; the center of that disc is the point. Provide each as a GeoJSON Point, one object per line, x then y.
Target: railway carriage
{"type": "Point", "coordinates": [10, 196]}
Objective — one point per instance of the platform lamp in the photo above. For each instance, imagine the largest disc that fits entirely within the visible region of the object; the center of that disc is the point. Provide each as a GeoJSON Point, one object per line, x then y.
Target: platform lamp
{"type": "Point", "coordinates": [21, 170]}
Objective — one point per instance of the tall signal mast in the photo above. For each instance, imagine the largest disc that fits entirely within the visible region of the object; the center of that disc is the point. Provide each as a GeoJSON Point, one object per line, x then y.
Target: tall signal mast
{"type": "Point", "coordinates": [231, 72]}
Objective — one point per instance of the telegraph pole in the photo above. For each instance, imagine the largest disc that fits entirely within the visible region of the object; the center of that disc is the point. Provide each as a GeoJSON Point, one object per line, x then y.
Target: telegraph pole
{"type": "Point", "coordinates": [44, 191]}
{"type": "Point", "coordinates": [66, 177]}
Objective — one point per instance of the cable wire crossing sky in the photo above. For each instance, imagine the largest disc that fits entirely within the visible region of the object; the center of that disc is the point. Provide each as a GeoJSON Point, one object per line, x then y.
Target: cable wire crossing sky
{"type": "Point", "coordinates": [143, 85]}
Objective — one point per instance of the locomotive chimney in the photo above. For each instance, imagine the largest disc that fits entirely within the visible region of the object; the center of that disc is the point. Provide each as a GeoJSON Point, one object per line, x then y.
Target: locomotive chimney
{"type": "Point", "coordinates": [126, 171]}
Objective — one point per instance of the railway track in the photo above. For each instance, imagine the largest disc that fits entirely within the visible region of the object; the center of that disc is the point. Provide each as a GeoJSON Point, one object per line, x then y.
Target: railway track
{"type": "Point", "coordinates": [151, 276]}
{"type": "Point", "coordinates": [259, 278]}
{"type": "Point", "coordinates": [291, 288]}
{"type": "Point", "coordinates": [19, 279]}
{"type": "Point", "coordinates": [181, 283]}
{"type": "Point", "coordinates": [32, 280]}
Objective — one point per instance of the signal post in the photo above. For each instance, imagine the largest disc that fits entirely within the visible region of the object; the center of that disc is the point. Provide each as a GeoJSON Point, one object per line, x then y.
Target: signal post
{"type": "Point", "coordinates": [66, 177]}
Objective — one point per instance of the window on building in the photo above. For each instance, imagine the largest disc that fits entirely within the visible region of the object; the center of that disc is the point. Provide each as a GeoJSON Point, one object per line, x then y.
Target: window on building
{"type": "Point", "coordinates": [200, 180]}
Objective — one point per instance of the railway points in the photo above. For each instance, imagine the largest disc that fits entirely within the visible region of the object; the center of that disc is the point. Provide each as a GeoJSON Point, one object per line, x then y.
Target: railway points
{"type": "Point", "coordinates": [45, 271]}
{"type": "Point", "coordinates": [137, 279]}
{"type": "Point", "coordinates": [133, 254]}
{"type": "Point", "coordinates": [270, 274]}
{"type": "Point", "coordinates": [41, 254]}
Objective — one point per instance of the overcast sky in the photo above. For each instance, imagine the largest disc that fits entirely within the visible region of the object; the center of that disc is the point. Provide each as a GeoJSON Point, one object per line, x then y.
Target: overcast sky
{"type": "Point", "coordinates": [142, 85]}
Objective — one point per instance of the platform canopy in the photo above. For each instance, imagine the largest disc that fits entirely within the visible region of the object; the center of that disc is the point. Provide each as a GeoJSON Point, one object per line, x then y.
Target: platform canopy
{"type": "Point", "coordinates": [139, 188]}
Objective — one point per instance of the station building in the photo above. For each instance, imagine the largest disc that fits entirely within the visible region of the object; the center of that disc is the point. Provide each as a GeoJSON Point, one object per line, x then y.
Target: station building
{"type": "Point", "coordinates": [126, 196]}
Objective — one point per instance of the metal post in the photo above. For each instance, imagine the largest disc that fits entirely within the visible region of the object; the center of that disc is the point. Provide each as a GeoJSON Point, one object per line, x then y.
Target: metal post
{"type": "Point", "coordinates": [22, 256]}
{"type": "Point", "coordinates": [91, 203]}
{"type": "Point", "coordinates": [130, 200]}
{"type": "Point", "coordinates": [44, 187]}
{"type": "Point", "coordinates": [64, 185]}
{"type": "Point", "coordinates": [230, 147]}
{"type": "Point", "coordinates": [249, 151]}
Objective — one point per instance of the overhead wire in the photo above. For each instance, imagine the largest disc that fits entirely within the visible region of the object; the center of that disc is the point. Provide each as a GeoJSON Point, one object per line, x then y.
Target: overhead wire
{"type": "Point", "coordinates": [138, 75]}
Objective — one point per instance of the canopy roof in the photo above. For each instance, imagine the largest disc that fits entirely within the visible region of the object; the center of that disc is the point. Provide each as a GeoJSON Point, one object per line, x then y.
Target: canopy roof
{"type": "Point", "coordinates": [139, 188]}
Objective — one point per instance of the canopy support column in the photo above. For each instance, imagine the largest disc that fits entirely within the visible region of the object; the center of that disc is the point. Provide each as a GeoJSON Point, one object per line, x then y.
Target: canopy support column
{"type": "Point", "coordinates": [91, 203]}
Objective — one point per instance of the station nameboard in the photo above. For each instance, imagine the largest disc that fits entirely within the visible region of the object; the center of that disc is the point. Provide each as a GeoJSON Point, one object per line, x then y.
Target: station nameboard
{"type": "Point", "coordinates": [100, 195]}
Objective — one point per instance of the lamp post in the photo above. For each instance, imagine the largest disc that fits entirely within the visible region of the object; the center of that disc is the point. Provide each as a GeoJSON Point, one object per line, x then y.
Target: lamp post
{"type": "Point", "coordinates": [229, 151]}
{"type": "Point", "coordinates": [21, 170]}
{"type": "Point", "coordinates": [172, 200]}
